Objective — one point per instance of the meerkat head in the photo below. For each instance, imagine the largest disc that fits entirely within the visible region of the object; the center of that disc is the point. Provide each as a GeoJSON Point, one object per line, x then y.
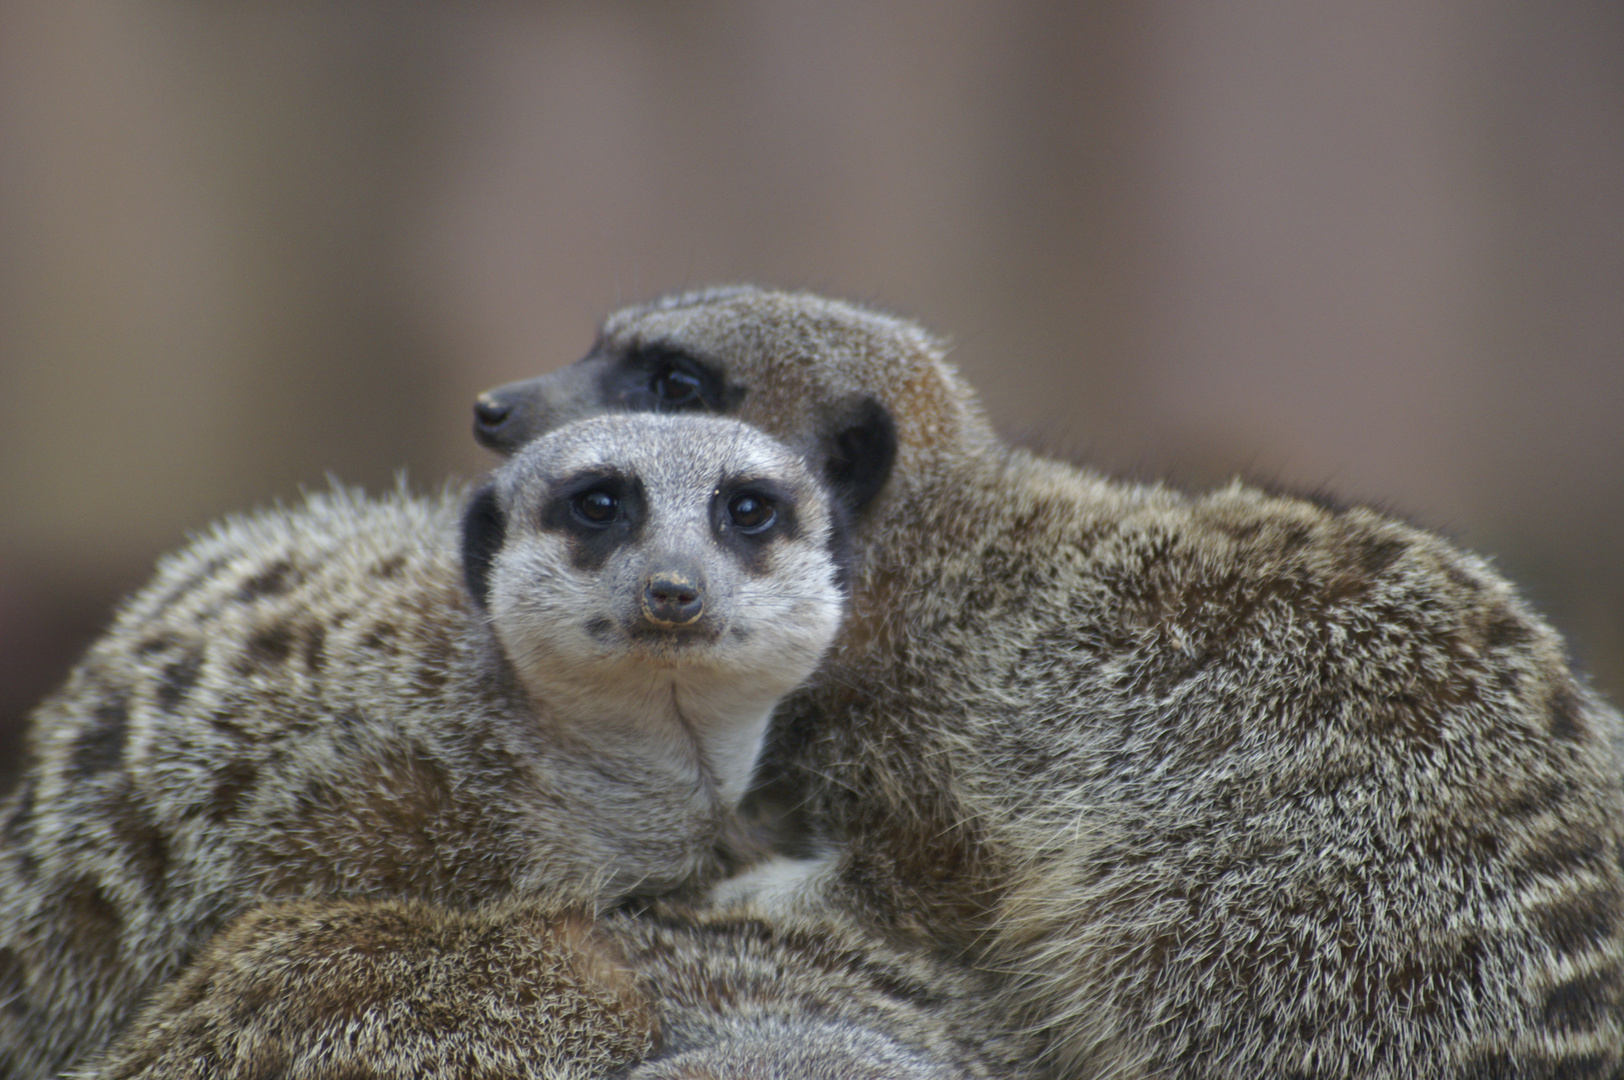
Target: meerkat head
{"type": "Point", "coordinates": [661, 580]}
{"type": "Point", "coordinates": [853, 390]}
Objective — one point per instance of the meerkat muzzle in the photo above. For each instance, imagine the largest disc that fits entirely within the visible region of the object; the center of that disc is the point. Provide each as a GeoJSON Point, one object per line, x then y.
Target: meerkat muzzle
{"type": "Point", "coordinates": [673, 598]}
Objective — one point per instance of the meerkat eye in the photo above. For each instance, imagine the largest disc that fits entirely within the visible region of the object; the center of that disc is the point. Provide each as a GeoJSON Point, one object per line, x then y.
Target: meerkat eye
{"type": "Point", "coordinates": [751, 513]}
{"type": "Point", "coordinates": [673, 386]}
{"type": "Point", "coordinates": [596, 507]}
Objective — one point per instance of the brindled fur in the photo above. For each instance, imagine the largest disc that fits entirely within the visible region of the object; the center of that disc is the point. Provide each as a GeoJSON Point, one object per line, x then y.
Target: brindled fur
{"type": "Point", "coordinates": [1227, 785]}
{"type": "Point", "coordinates": [533, 990]}
{"type": "Point", "coordinates": [308, 703]}
{"type": "Point", "coordinates": [321, 990]}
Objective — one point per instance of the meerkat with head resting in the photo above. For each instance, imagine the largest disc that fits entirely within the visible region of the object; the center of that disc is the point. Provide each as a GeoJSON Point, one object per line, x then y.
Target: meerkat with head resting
{"type": "Point", "coordinates": [329, 702]}
{"type": "Point", "coordinates": [1229, 785]}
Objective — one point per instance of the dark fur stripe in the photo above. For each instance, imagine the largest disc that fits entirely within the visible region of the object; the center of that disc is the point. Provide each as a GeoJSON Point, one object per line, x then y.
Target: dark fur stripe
{"type": "Point", "coordinates": [1582, 1003]}
{"type": "Point", "coordinates": [178, 679]}
{"type": "Point", "coordinates": [1580, 924]}
{"type": "Point", "coordinates": [101, 746]}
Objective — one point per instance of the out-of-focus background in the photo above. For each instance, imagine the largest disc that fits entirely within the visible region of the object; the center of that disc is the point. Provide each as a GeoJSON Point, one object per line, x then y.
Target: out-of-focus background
{"type": "Point", "coordinates": [1375, 247]}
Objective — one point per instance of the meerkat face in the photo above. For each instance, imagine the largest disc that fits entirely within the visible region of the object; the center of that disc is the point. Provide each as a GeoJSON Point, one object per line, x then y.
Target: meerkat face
{"type": "Point", "coordinates": [634, 564]}
{"type": "Point", "coordinates": [842, 385]}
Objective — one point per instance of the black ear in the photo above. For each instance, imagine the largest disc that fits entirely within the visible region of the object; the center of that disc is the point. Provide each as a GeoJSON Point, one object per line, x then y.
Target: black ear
{"type": "Point", "coordinates": [840, 546]}
{"type": "Point", "coordinates": [484, 528]}
{"type": "Point", "coordinates": [860, 453]}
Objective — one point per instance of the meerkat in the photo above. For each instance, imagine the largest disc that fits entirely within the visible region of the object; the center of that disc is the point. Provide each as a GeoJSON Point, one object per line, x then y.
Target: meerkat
{"type": "Point", "coordinates": [535, 989]}
{"type": "Point", "coordinates": [563, 688]}
{"type": "Point", "coordinates": [1233, 784]}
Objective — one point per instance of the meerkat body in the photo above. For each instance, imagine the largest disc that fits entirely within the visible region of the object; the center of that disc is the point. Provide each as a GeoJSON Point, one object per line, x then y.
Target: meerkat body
{"type": "Point", "coordinates": [1232, 785]}
{"type": "Point", "coordinates": [536, 990]}
{"type": "Point", "coordinates": [342, 700]}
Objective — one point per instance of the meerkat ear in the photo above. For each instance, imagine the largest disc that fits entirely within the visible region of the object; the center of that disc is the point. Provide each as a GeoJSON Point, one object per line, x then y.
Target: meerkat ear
{"type": "Point", "coordinates": [484, 529]}
{"type": "Point", "coordinates": [859, 454]}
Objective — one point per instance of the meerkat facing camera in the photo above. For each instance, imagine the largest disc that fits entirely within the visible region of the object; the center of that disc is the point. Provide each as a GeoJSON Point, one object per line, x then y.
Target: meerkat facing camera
{"type": "Point", "coordinates": [346, 699]}
{"type": "Point", "coordinates": [1229, 785]}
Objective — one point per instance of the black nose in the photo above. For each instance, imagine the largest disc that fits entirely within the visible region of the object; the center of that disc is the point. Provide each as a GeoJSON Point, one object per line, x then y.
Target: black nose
{"type": "Point", "coordinates": [673, 599]}
{"type": "Point", "coordinates": [491, 413]}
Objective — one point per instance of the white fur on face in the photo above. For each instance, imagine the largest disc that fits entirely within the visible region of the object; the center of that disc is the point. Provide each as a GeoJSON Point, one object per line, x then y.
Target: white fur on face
{"type": "Point", "coordinates": [697, 699]}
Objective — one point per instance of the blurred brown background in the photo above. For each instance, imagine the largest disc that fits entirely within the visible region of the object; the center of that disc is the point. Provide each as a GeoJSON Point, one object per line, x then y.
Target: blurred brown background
{"type": "Point", "coordinates": [1371, 246]}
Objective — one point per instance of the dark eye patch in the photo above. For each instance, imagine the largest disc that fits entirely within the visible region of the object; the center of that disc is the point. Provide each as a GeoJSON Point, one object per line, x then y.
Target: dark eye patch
{"type": "Point", "coordinates": [748, 538]}
{"type": "Point", "coordinates": [597, 511]}
{"type": "Point", "coordinates": [661, 378]}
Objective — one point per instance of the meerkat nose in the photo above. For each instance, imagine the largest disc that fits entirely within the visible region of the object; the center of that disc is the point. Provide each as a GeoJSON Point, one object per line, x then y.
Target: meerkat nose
{"type": "Point", "coordinates": [673, 597]}
{"type": "Point", "coordinates": [490, 412]}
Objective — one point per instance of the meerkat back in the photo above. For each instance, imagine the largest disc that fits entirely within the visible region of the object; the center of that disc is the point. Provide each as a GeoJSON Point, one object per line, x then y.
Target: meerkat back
{"type": "Point", "coordinates": [1231, 785]}
{"type": "Point", "coordinates": [562, 688]}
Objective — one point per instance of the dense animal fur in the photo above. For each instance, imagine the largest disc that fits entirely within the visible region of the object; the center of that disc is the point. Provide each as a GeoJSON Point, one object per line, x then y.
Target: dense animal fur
{"type": "Point", "coordinates": [319, 990]}
{"type": "Point", "coordinates": [534, 990]}
{"type": "Point", "coordinates": [311, 703]}
{"type": "Point", "coordinates": [746, 993]}
{"type": "Point", "coordinates": [1232, 785]}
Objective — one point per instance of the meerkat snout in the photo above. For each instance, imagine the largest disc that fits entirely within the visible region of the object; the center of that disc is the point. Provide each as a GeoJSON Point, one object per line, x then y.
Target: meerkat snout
{"type": "Point", "coordinates": [489, 412]}
{"type": "Point", "coordinates": [674, 597]}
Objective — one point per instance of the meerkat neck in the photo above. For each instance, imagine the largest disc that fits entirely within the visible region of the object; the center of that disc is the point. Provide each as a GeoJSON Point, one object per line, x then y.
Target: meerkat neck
{"type": "Point", "coordinates": [703, 727]}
